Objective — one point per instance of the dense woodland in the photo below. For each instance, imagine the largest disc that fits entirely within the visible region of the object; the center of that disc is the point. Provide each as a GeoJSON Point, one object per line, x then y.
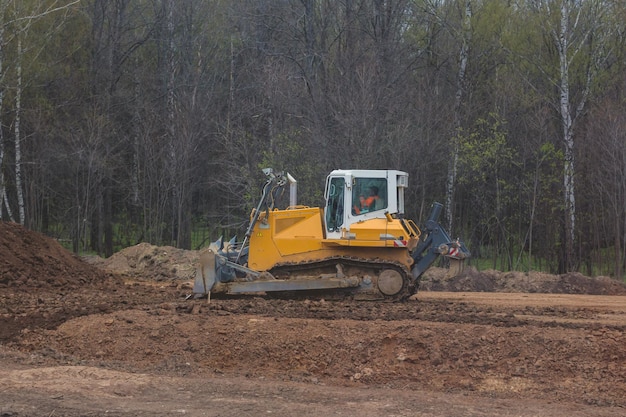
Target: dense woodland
{"type": "Point", "coordinates": [126, 121]}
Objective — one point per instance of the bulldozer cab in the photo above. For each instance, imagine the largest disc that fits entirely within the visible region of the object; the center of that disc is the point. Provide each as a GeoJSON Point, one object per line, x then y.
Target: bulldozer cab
{"type": "Point", "coordinates": [354, 196]}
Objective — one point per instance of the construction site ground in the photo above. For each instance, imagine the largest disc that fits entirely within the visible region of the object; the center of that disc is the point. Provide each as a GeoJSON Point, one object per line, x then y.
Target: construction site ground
{"type": "Point", "coordinates": [117, 337]}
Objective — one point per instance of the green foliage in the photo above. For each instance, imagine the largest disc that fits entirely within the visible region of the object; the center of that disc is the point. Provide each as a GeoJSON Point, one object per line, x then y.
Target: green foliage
{"type": "Point", "coordinates": [488, 169]}
{"type": "Point", "coordinates": [485, 156]}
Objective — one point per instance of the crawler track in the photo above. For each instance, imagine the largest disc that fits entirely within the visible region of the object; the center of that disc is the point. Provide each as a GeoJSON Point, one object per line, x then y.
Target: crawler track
{"type": "Point", "coordinates": [364, 269]}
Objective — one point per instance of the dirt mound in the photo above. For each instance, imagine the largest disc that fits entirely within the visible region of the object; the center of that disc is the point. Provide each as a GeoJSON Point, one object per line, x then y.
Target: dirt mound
{"type": "Point", "coordinates": [151, 262]}
{"type": "Point", "coordinates": [30, 259]}
{"type": "Point", "coordinates": [472, 280]}
{"type": "Point", "coordinates": [164, 263]}
{"type": "Point", "coordinates": [34, 260]}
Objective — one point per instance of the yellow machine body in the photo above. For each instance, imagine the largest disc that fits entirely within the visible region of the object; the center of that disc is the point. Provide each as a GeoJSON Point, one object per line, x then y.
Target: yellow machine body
{"type": "Point", "coordinates": [297, 235]}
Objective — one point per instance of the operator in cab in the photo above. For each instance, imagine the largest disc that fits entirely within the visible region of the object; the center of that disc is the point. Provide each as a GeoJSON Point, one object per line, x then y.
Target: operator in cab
{"type": "Point", "coordinates": [367, 204]}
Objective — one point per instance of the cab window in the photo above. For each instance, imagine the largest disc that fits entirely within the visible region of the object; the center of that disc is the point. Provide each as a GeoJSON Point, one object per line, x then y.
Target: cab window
{"type": "Point", "coordinates": [369, 194]}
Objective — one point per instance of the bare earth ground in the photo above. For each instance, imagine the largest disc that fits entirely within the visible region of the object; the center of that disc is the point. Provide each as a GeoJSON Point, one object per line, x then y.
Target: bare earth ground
{"type": "Point", "coordinates": [116, 337]}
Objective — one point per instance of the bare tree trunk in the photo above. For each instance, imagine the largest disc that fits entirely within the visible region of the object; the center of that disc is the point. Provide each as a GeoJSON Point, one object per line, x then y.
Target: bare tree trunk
{"type": "Point", "coordinates": [170, 109]}
{"type": "Point", "coordinates": [18, 138]}
{"type": "Point", "coordinates": [2, 186]}
{"type": "Point", "coordinates": [3, 196]}
{"type": "Point", "coordinates": [562, 38]}
{"type": "Point", "coordinates": [620, 237]}
{"type": "Point", "coordinates": [568, 138]}
{"type": "Point", "coordinates": [458, 100]}
{"type": "Point", "coordinates": [135, 135]}
{"type": "Point", "coordinates": [619, 255]}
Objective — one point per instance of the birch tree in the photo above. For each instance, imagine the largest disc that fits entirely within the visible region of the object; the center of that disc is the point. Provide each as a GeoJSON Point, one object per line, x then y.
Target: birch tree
{"type": "Point", "coordinates": [4, 202]}
{"type": "Point", "coordinates": [17, 132]}
{"type": "Point", "coordinates": [22, 17]}
{"type": "Point", "coordinates": [577, 33]}
{"type": "Point", "coordinates": [460, 30]}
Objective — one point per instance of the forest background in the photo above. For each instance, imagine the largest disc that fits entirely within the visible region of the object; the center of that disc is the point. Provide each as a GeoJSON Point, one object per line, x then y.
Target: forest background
{"type": "Point", "coordinates": [127, 121]}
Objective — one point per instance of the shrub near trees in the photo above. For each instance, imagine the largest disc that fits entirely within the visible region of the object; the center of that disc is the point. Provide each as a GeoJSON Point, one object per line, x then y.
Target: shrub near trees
{"type": "Point", "coordinates": [149, 120]}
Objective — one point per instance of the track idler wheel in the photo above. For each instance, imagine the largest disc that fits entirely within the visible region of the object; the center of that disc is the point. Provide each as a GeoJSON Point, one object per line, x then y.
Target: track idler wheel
{"type": "Point", "coordinates": [390, 282]}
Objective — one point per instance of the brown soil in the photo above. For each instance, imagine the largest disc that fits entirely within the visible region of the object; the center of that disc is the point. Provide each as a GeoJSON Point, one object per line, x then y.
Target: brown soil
{"type": "Point", "coordinates": [118, 337]}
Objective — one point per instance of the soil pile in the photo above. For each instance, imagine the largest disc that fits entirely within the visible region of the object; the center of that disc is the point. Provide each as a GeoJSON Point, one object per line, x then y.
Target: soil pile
{"type": "Point", "coordinates": [168, 263]}
{"type": "Point", "coordinates": [472, 280]}
{"type": "Point", "coordinates": [30, 259]}
{"type": "Point", "coordinates": [147, 261]}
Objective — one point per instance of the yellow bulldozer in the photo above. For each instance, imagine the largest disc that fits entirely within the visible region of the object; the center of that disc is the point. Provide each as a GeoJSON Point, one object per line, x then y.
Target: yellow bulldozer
{"type": "Point", "coordinates": [359, 245]}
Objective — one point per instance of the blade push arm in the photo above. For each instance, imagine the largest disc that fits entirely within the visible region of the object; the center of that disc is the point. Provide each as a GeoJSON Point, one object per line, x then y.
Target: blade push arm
{"type": "Point", "coordinates": [434, 243]}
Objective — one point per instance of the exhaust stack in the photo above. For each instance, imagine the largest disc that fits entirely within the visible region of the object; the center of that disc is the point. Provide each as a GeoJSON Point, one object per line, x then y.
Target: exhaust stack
{"type": "Point", "coordinates": [293, 190]}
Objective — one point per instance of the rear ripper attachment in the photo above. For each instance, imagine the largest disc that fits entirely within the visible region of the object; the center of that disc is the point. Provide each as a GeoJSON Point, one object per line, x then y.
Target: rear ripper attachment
{"type": "Point", "coordinates": [362, 247]}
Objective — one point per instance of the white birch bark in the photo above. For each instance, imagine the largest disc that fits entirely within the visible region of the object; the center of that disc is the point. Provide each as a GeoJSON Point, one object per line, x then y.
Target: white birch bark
{"type": "Point", "coordinates": [570, 112]}
{"type": "Point", "coordinates": [23, 23]}
{"type": "Point", "coordinates": [568, 131]}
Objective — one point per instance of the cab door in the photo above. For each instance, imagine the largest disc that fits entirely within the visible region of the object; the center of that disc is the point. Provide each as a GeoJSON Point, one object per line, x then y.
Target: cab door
{"type": "Point", "coordinates": [334, 213]}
